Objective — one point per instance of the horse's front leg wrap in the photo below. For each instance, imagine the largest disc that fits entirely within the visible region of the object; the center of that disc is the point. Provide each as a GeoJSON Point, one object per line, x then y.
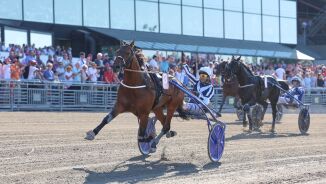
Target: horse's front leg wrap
{"type": "Point", "coordinates": [157, 139]}
{"type": "Point", "coordinates": [90, 135]}
{"type": "Point", "coordinates": [145, 139]}
{"type": "Point", "coordinates": [107, 119]}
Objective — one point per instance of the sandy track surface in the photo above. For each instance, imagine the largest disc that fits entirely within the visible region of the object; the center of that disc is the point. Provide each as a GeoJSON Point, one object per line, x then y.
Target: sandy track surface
{"type": "Point", "coordinates": [42, 147]}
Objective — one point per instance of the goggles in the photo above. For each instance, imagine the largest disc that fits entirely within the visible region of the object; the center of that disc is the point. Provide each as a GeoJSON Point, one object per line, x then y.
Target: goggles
{"type": "Point", "coordinates": [203, 75]}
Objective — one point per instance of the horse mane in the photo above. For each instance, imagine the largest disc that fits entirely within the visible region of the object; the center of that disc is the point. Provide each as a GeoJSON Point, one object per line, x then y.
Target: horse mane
{"type": "Point", "coordinates": [246, 67]}
{"type": "Point", "coordinates": [140, 57]}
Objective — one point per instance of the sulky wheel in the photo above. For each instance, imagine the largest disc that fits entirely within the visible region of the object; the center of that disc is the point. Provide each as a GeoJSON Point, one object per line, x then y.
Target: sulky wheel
{"type": "Point", "coordinates": [304, 120]}
{"type": "Point", "coordinates": [256, 116]}
{"type": "Point", "coordinates": [279, 113]}
{"type": "Point", "coordinates": [215, 143]}
{"type": "Point", "coordinates": [145, 147]}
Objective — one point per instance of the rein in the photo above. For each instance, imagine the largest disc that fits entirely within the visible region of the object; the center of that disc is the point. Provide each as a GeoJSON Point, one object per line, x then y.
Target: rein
{"type": "Point", "coordinates": [246, 86]}
{"type": "Point", "coordinates": [132, 87]}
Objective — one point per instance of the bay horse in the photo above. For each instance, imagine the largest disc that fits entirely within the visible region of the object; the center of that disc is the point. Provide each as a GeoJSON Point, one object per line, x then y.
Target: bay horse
{"type": "Point", "coordinates": [252, 89]}
{"type": "Point", "coordinates": [138, 94]}
{"type": "Point", "coordinates": [230, 85]}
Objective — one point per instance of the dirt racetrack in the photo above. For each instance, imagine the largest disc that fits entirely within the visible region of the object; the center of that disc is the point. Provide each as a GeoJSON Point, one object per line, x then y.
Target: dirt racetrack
{"type": "Point", "coordinates": [43, 147]}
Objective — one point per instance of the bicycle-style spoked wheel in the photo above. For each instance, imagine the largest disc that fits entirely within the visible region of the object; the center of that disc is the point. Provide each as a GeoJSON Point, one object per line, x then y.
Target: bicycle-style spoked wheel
{"type": "Point", "coordinates": [145, 147]}
{"type": "Point", "coordinates": [215, 143]}
{"type": "Point", "coordinates": [304, 120]}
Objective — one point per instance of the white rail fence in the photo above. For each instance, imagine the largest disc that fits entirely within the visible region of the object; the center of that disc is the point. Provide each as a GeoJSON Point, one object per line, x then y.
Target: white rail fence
{"type": "Point", "coordinates": [40, 96]}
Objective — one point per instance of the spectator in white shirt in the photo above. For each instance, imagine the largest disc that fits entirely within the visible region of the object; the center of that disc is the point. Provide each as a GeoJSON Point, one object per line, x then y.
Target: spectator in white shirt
{"type": "Point", "coordinates": [153, 63]}
{"type": "Point", "coordinates": [84, 73]}
{"type": "Point", "coordinates": [68, 74]}
{"type": "Point", "coordinates": [76, 71]}
{"type": "Point", "coordinates": [180, 74]}
{"type": "Point", "coordinates": [6, 69]}
{"type": "Point", "coordinates": [32, 73]}
{"type": "Point", "coordinates": [280, 72]}
{"type": "Point", "coordinates": [60, 71]}
{"type": "Point", "coordinates": [81, 59]}
{"type": "Point", "coordinates": [92, 73]}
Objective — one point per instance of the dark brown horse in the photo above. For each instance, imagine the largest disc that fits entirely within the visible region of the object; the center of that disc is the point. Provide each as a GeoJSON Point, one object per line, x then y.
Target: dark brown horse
{"type": "Point", "coordinates": [139, 95]}
{"type": "Point", "coordinates": [230, 85]}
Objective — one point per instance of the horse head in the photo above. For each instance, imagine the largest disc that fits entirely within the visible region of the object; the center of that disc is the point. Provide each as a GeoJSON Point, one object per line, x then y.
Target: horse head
{"type": "Point", "coordinates": [221, 68]}
{"type": "Point", "coordinates": [125, 56]}
{"type": "Point", "coordinates": [233, 67]}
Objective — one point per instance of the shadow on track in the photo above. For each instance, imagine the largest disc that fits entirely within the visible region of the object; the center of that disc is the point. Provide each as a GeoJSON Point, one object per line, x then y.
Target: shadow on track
{"type": "Point", "coordinates": [137, 169]}
{"type": "Point", "coordinates": [262, 135]}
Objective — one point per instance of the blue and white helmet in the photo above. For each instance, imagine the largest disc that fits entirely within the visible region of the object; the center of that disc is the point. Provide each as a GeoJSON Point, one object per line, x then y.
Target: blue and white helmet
{"type": "Point", "coordinates": [205, 70]}
{"type": "Point", "coordinates": [296, 79]}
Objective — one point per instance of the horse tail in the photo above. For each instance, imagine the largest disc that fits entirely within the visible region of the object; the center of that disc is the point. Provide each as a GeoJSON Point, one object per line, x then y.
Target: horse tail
{"type": "Point", "coordinates": [182, 113]}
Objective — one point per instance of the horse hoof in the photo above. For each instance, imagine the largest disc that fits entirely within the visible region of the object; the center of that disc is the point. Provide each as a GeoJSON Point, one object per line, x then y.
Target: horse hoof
{"type": "Point", "coordinates": [247, 131]}
{"type": "Point", "coordinates": [90, 135]}
{"type": "Point", "coordinates": [152, 150]}
{"type": "Point", "coordinates": [153, 147]}
{"type": "Point", "coordinates": [272, 130]}
{"type": "Point", "coordinates": [218, 115]}
{"type": "Point", "coordinates": [171, 134]}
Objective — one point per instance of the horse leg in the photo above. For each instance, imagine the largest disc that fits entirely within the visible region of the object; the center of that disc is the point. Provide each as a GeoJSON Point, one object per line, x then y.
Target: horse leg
{"type": "Point", "coordinates": [246, 109]}
{"type": "Point", "coordinates": [244, 120]}
{"type": "Point", "coordinates": [143, 120]}
{"type": "Point", "coordinates": [265, 105]}
{"type": "Point", "coordinates": [166, 126]}
{"type": "Point", "coordinates": [223, 102]}
{"type": "Point", "coordinates": [274, 111]}
{"type": "Point", "coordinates": [90, 135]}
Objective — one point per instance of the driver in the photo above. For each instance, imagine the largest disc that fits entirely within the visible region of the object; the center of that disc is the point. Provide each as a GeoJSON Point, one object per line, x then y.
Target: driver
{"type": "Point", "coordinates": [296, 91]}
{"type": "Point", "coordinates": [203, 89]}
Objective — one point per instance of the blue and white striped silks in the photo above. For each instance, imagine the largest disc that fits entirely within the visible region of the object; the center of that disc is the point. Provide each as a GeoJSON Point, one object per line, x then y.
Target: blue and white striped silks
{"type": "Point", "coordinates": [205, 91]}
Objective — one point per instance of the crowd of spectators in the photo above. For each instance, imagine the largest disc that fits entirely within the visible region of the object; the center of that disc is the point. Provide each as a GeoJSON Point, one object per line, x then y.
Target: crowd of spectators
{"type": "Point", "coordinates": [311, 75]}
{"type": "Point", "coordinates": [24, 62]}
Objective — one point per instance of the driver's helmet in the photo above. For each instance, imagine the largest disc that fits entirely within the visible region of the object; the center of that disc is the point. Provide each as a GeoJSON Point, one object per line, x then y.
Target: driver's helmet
{"type": "Point", "coordinates": [296, 79]}
{"type": "Point", "coordinates": [205, 74]}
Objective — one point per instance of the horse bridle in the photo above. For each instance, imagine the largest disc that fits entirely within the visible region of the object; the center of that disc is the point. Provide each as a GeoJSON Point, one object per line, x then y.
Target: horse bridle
{"type": "Point", "coordinates": [127, 63]}
{"type": "Point", "coordinates": [125, 66]}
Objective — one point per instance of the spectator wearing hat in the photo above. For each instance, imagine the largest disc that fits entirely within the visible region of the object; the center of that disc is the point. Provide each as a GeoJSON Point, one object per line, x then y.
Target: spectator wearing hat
{"type": "Point", "coordinates": [60, 71]}
{"type": "Point", "coordinates": [32, 70]}
{"type": "Point", "coordinates": [48, 73]}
